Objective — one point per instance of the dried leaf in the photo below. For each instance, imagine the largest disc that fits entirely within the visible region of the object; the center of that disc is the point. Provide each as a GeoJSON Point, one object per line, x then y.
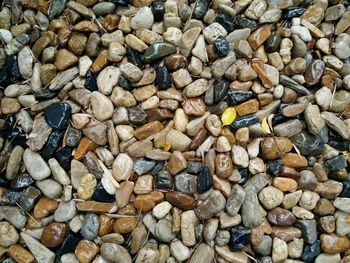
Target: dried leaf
{"type": "Point", "coordinates": [228, 116]}
{"type": "Point", "coordinates": [265, 125]}
{"type": "Point", "coordinates": [167, 147]}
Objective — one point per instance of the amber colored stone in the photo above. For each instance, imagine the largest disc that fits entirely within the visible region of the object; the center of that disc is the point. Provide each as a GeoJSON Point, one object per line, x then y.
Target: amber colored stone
{"type": "Point", "coordinates": [175, 62]}
{"type": "Point", "coordinates": [285, 184]}
{"type": "Point", "coordinates": [194, 107]}
{"type": "Point", "coordinates": [198, 139]}
{"type": "Point", "coordinates": [258, 67]}
{"type": "Point", "coordinates": [289, 172]}
{"type": "Point", "coordinates": [326, 224]}
{"type": "Point", "coordinates": [294, 160]}
{"type": "Point", "coordinates": [65, 59]}
{"type": "Point", "coordinates": [86, 251]}
{"type": "Point", "coordinates": [86, 26]}
{"type": "Point", "coordinates": [248, 107]}
{"type": "Point", "coordinates": [43, 6]}
{"type": "Point", "coordinates": [241, 85]}
{"type": "Point", "coordinates": [100, 62]}
{"type": "Point", "coordinates": [223, 165]}
{"type": "Point", "coordinates": [331, 243]}
{"type": "Point", "coordinates": [85, 145]}
{"type": "Point", "coordinates": [20, 254]}
{"type": "Point", "coordinates": [147, 130]}
{"type": "Point", "coordinates": [53, 234]}
{"type": "Point", "coordinates": [281, 217]}
{"type": "Point", "coordinates": [180, 200]}
{"type": "Point", "coordinates": [97, 207]}
{"type": "Point", "coordinates": [274, 147]}
{"type": "Point", "coordinates": [110, 23]}
{"type": "Point", "coordinates": [146, 202]}
{"type": "Point", "coordinates": [125, 225]}
{"type": "Point", "coordinates": [229, 135]}
{"type": "Point", "coordinates": [259, 36]}
{"type": "Point", "coordinates": [285, 233]}
{"type": "Point", "coordinates": [106, 225]}
{"type": "Point", "coordinates": [313, 14]}
{"type": "Point", "coordinates": [324, 207]}
{"type": "Point", "coordinates": [159, 114]}
{"type": "Point", "coordinates": [129, 210]}
{"type": "Point", "coordinates": [33, 223]}
{"type": "Point", "coordinates": [44, 207]}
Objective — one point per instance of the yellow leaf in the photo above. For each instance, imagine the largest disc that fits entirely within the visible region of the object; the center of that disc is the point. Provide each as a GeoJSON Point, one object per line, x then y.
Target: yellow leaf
{"type": "Point", "coordinates": [228, 116]}
{"type": "Point", "coordinates": [167, 147]}
{"type": "Point", "coordinates": [265, 125]}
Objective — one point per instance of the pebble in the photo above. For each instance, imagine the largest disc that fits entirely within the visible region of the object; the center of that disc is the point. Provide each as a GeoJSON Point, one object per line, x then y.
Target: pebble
{"type": "Point", "coordinates": [35, 165]}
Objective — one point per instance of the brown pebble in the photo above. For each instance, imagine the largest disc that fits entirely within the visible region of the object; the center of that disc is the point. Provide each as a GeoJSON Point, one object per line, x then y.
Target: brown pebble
{"type": "Point", "coordinates": [85, 145]}
{"type": "Point", "coordinates": [20, 254]}
{"type": "Point", "coordinates": [248, 107]}
{"type": "Point", "coordinates": [180, 200]}
{"type": "Point", "coordinates": [194, 107]}
{"type": "Point", "coordinates": [147, 130]}
{"type": "Point", "coordinates": [125, 225]}
{"type": "Point", "coordinates": [86, 251]}
{"type": "Point", "coordinates": [54, 234]}
{"type": "Point", "coordinates": [44, 207]}
{"type": "Point", "coordinates": [106, 225]}
{"type": "Point", "coordinates": [294, 160]}
{"type": "Point", "coordinates": [331, 243]}
{"type": "Point", "coordinates": [223, 165]}
{"type": "Point", "coordinates": [281, 217]}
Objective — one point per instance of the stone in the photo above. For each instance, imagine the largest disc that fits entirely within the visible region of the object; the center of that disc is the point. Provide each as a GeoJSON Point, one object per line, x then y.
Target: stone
{"type": "Point", "coordinates": [279, 250]}
{"type": "Point", "coordinates": [102, 107]}
{"type": "Point", "coordinates": [53, 234]}
{"type": "Point", "coordinates": [35, 165]}
{"type": "Point", "coordinates": [115, 253]}
{"type": "Point", "coordinates": [65, 211]}
{"type": "Point", "coordinates": [39, 251]}
{"type": "Point", "coordinates": [8, 234]}
{"type": "Point", "coordinates": [122, 166]}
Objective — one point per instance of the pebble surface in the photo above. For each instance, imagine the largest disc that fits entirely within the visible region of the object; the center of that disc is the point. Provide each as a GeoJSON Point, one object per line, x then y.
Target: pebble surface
{"type": "Point", "coordinates": [175, 131]}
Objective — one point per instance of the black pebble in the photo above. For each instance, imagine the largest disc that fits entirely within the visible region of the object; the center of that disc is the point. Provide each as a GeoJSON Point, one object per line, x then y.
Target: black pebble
{"type": "Point", "coordinates": [135, 57]}
{"type": "Point", "coordinates": [336, 163]}
{"type": "Point", "coordinates": [100, 195]}
{"type": "Point", "coordinates": [244, 121]}
{"type": "Point", "coordinates": [235, 97]}
{"type": "Point", "coordinates": [68, 245]}
{"type": "Point", "coordinates": [273, 43]}
{"type": "Point", "coordinates": [200, 8]}
{"type": "Point", "coordinates": [204, 180]}
{"type": "Point", "coordinates": [274, 167]}
{"type": "Point", "coordinates": [244, 176]}
{"type": "Point", "coordinates": [10, 197]}
{"type": "Point", "coordinates": [17, 138]}
{"type": "Point", "coordinates": [163, 180]}
{"type": "Point", "coordinates": [243, 22]}
{"type": "Point", "coordinates": [239, 238]}
{"type": "Point", "coordinates": [57, 115]}
{"type": "Point", "coordinates": [45, 94]}
{"type": "Point", "coordinates": [125, 84]}
{"type": "Point", "coordinates": [137, 116]}
{"type": "Point", "coordinates": [221, 46]}
{"type": "Point", "coordinates": [226, 22]}
{"type": "Point", "coordinates": [163, 80]}
{"type": "Point", "coordinates": [4, 182]}
{"type": "Point", "coordinates": [22, 181]}
{"type": "Point", "coordinates": [292, 12]}
{"type": "Point", "coordinates": [158, 11]}
{"type": "Point", "coordinates": [220, 90]}
{"type": "Point", "coordinates": [311, 251]}
{"type": "Point", "coordinates": [90, 82]}
{"type": "Point", "coordinates": [346, 189]}
{"type": "Point", "coordinates": [52, 144]}
{"type": "Point", "coordinates": [64, 157]}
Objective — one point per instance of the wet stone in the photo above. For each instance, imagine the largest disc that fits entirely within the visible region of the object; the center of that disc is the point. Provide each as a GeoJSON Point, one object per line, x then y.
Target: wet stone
{"type": "Point", "coordinates": [244, 121]}
{"type": "Point", "coordinates": [158, 11]}
{"type": "Point", "coordinates": [163, 180]}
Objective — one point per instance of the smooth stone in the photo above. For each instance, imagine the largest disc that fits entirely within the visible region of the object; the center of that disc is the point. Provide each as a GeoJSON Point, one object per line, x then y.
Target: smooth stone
{"type": "Point", "coordinates": [115, 253]}
{"type": "Point", "coordinates": [90, 227]}
{"type": "Point", "coordinates": [65, 211]}
{"type": "Point", "coordinates": [35, 165]}
{"type": "Point", "coordinates": [157, 51]}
